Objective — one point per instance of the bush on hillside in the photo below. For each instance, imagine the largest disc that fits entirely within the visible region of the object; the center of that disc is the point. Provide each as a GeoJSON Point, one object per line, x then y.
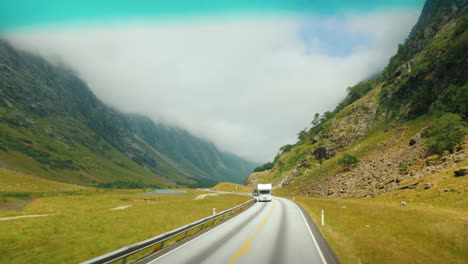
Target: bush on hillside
{"type": "Point", "coordinates": [454, 99]}
{"type": "Point", "coordinates": [126, 185]}
{"type": "Point", "coordinates": [347, 160]}
{"type": "Point", "coordinates": [447, 132]}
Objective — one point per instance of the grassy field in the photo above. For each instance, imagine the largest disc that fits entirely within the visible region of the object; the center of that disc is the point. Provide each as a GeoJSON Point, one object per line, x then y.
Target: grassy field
{"type": "Point", "coordinates": [11, 181]}
{"type": "Point", "coordinates": [231, 187]}
{"type": "Point", "coordinates": [80, 227]}
{"type": "Point", "coordinates": [430, 229]}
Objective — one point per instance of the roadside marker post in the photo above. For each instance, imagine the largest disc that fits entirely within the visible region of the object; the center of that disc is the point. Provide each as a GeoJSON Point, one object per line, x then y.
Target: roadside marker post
{"type": "Point", "coordinates": [214, 211]}
{"type": "Point", "coordinates": [323, 218]}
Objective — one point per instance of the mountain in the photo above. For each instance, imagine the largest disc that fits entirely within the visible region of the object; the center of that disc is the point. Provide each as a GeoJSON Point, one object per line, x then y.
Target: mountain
{"type": "Point", "coordinates": [53, 126]}
{"type": "Point", "coordinates": [393, 130]}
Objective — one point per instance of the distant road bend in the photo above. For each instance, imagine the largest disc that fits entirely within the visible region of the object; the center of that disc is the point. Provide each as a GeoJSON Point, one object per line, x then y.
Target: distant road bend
{"type": "Point", "coordinates": [275, 232]}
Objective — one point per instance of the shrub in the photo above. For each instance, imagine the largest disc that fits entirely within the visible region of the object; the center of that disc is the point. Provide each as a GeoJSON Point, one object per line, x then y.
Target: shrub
{"type": "Point", "coordinates": [347, 160]}
{"type": "Point", "coordinates": [448, 131]}
{"type": "Point", "coordinates": [285, 148]}
{"type": "Point", "coordinates": [454, 99]}
{"type": "Point", "coordinates": [403, 167]}
{"type": "Point", "coordinates": [264, 167]}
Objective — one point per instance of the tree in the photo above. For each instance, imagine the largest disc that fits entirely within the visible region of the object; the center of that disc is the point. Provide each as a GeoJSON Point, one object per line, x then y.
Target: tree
{"type": "Point", "coordinates": [347, 160]}
{"type": "Point", "coordinates": [446, 133]}
{"type": "Point", "coordinates": [264, 167]}
{"type": "Point", "coordinates": [302, 135]}
{"type": "Point", "coordinates": [327, 116]}
{"type": "Point", "coordinates": [454, 99]}
{"type": "Point", "coordinates": [285, 148]}
{"type": "Point", "coordinates": [316, 120]}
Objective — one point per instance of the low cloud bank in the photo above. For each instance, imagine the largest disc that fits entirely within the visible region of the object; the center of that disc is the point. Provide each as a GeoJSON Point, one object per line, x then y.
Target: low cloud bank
{"type": "Point", "coordinates": [248, 85]}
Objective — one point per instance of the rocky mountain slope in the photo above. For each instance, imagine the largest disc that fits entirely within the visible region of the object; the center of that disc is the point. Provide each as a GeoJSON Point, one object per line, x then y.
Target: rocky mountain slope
{"type": "Point", "coordinates": [53, 126]}
{"type": "Point", "coordinates": [378, 139]}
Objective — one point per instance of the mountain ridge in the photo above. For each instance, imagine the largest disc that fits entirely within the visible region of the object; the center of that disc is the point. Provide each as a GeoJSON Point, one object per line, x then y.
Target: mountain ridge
{"type": "Point", "coordinates": [52, 124]}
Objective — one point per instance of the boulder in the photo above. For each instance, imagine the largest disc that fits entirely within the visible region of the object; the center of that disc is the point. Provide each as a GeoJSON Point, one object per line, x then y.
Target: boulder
{"type": "Point", "coordinates": [461, 172]}
{"type": "Point", "coordinates": [323, 153]}
{"type": "Point", "coordinates": [408, 185]}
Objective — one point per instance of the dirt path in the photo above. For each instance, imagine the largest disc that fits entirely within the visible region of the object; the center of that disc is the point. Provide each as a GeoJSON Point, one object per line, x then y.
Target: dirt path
{"type": "Point", "coordinates": [201, 196]}
{"type": "Point", "coordinates": [121, 207]}
{"type": "Point", "coordinates": [23, 216]}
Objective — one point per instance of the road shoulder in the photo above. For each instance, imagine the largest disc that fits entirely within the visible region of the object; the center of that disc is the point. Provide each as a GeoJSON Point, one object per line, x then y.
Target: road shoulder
{"type": "Point", "coordinates": [327, 251]}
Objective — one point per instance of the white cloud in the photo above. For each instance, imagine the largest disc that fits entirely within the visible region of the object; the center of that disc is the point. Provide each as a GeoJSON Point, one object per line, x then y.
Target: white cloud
{"type": "Point", "coordinates": [247, 85]}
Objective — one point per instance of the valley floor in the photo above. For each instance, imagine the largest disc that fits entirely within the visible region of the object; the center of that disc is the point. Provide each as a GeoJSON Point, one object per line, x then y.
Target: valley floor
{"type": "Point", "coordinates": [85, 224]}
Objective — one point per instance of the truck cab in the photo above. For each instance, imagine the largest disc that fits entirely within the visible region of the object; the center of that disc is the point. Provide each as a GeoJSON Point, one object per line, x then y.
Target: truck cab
{"type": "Point", "coordinates": [264, 192]}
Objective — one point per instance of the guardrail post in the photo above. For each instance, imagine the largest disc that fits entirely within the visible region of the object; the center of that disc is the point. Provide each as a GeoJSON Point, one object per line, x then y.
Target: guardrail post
{"type": "Point", "coordinates": [124, 260]}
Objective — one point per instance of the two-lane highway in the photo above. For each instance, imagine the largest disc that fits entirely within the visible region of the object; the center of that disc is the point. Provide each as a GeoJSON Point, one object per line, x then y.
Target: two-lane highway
{"type": "Point", "coordinates": [274, 232]}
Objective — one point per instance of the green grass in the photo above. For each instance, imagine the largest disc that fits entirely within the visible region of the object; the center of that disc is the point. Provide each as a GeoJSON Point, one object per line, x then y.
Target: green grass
{"type": "Point", "coordinates": [231, 187]}
{"type": "Point", "coordinates": [85, 226]}
{"type": "Point", "coordinates": [430, 229]}
{"type": "Point", "coordinates": [11, 181]}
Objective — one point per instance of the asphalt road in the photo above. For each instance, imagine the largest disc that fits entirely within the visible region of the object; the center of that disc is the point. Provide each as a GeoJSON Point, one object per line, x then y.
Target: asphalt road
{"type": "Point", "coordinates": [274, 232]}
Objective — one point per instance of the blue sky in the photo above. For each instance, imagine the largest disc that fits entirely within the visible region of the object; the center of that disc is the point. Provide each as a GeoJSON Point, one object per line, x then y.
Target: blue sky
{"type": "Point", "coordinates": [246, 75]}
{"type": "Point", "coordinates": [16, 14]}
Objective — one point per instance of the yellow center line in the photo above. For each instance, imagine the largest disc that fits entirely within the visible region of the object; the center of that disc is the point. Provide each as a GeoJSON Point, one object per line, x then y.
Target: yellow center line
{"type": "Point", "coordinates": [262, 223]}
{"type": "Point", "coordinates": [246, 246]}
{"type": "Point", "coordinates": [242, 250]}
{"type": "Point", "coordinates": [269, 213]}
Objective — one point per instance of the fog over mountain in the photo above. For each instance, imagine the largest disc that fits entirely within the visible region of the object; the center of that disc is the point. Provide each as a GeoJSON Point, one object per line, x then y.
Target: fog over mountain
{"type": "Point", "coordinates": [248, 84]}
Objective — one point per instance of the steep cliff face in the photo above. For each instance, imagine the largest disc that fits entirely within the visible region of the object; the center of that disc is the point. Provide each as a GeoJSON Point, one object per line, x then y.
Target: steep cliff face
{"type": "Point", "coordinates": [53, 126]}
{"type": "Point", "coordinates": [384, 122]}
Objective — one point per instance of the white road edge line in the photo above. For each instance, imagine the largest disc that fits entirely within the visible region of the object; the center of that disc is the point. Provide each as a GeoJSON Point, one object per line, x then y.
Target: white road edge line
{"type": "Point", "coordinates": [202, 235]}
{"type": "Point", "coordinates": [311, 234]}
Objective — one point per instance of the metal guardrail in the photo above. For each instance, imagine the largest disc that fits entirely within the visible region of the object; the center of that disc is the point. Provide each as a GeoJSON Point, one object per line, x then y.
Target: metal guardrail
{"type": "Point", "coordinates": [125, 252]}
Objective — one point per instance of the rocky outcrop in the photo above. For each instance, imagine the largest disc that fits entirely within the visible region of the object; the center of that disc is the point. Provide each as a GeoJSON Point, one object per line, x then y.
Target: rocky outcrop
{"type": "Point", "coordinates": [381, 171]}
{"type": "Point", "coordinates": [355, 125]}
{"type": "Point", "coordinates": [434, 16]}
{"type": "Point", "coordinates": [461, 172]}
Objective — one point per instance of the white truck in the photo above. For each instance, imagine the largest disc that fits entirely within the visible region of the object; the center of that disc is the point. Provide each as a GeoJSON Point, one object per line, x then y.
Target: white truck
{"type": "Point", "coordinates": [264, 192]}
